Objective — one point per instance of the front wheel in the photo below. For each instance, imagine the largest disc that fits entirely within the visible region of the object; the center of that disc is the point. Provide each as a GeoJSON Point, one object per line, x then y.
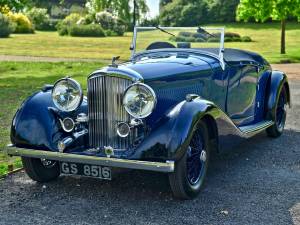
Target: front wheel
{"type": "Point", "coordinates": [280, 115]}
{"type": "Point", "coordinates": [190, 171]}
{"type": "Point", "coordinates": [41, 170]}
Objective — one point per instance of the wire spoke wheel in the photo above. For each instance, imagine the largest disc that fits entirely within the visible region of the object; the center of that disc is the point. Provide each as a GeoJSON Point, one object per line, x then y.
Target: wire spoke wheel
{"type": "Point", "coordinates": [281, 110]}
{"type": "Point", "coordinates": [280, 115]}
{"type": "Point", "coordinates": [196, 159]}
{"type": "Point", "coordinates": [191, 169]}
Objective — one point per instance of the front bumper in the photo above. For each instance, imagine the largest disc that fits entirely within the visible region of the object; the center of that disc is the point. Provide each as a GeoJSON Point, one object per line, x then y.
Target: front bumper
{"type": "Point", "coordinates": [165, 167]}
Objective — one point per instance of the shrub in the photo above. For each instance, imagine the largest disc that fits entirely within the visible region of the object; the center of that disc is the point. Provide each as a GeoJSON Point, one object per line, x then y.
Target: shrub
{"type": "Point", "coordinates": [228, 39]}
{"type": "Point", "coordinates": [185, 34]}
{"type": "Point", "coordinates": [213, 39]}
{"type": "Point", "coordinates": [246, 39]}
{"type": "Point", "coordinates": [111, 33]}
{"type": "Point", "coordinates": [4, 9]}
{"type": "Point", "coordinates": [71, 19]}
{"type": "Point", "coordinates": [64, 25]}
{"type": "Point", "coordinates": [40, 18]}
{"type": "Point", "coordinates": [232, 35]}
{"type": "Point", "coordinates": [91, 30]}
{"type": "Point", "coordinates": [237, 39]}
{"type": "Point", "coordinates": [6, 27]}
{"type": "Point", "coordinates": [63, 30]}
{"type": "Point", "coordinates": [109, 22]}
{"type": "Point", "coordinates": [106, 20]}
{"type": "Point", "coordinates": [23, 24]}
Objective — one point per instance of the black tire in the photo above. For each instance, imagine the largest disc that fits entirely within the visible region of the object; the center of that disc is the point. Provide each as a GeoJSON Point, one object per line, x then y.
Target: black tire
{"type": "Point", "coordinates": [179, 181]}
{"type": "Point", "coordinates": [276, 130]}
{"type": "Point", "coordinates": [37, 171]}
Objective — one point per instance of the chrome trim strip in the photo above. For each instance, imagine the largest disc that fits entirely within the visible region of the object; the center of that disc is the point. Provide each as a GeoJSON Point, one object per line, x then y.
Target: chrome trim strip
{"type": "Point", "coordinates": [166, 167]}
{"type": "Point", "coordinates": [256, 128]}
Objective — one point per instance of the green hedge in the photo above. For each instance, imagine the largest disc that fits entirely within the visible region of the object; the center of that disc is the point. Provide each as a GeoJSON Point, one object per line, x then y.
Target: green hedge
{"type": "Point", "coordinates": [200, 37]}
{"type": "Point", "coordinates": [91, 30]}
{"type": "Point", "coordinates": [6, 27]}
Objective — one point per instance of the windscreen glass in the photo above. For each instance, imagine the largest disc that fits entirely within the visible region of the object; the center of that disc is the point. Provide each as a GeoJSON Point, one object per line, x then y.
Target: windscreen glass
{"type": "Point", "coordinates": [149, 38]}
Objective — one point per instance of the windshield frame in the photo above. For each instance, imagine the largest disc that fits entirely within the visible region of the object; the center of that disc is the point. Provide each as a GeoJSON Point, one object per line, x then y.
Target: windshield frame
{"type": "Point", "coordinates": [220, 56]}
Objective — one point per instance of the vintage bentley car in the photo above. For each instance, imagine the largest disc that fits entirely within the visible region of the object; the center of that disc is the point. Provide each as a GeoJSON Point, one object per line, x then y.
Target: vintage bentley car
{"type": "Point", "coordinates": [165, 110]}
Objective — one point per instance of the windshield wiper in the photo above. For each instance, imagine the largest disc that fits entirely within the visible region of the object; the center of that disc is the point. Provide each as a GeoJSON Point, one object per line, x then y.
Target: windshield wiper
{"type": "Point", "coordinates": [157, 27]}
{"type": "Point", "coordinates": [201, 30]}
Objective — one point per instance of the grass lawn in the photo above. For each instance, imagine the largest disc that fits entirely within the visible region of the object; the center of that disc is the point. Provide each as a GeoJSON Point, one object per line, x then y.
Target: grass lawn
{"type": "Point", "coordinates": [19, 80]}
{"type": "Point", "coordinates": [266, 41]}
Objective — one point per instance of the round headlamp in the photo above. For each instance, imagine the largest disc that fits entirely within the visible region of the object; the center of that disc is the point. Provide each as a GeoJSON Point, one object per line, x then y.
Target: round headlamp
{"type": "Point", "coordinates": [67, 94]}
{"type": "Point", "coordinates": [139, 100]}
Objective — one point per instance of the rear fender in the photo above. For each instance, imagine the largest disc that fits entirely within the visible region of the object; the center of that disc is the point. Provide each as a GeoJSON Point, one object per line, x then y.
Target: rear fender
{"type": "Point", "coordinates": [277, 80]}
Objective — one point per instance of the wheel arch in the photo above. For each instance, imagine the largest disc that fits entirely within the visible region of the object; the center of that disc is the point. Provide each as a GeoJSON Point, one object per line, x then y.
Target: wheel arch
{"type": "Point", "coordinates": [276, 82]}
{"type": "Point", "coordinates": [212, 132]}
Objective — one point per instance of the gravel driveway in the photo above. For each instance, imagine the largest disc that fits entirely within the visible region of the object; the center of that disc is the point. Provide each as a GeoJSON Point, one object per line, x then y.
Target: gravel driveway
{"type": "Point", "coordinates": [257, 183]}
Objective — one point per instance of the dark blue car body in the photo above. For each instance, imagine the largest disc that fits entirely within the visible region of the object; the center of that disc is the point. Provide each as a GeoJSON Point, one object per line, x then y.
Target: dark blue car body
{"type": "Point", "coordinates": [190, 85]}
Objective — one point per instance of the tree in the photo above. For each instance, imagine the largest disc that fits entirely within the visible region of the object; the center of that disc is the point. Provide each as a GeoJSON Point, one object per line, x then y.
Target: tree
{"type": "Point", "coordinates": [122, 8]}
{"type": "Point", "coordinates": [196, 12]}
{"type": "Point", "coordinates": [222, 10]}
{"type": "Point", "coordinates": [15, 5]}
{"type": "Point", "coordinates": [183, 13]}
{"type": "Point", "coordinates": [261, 10]}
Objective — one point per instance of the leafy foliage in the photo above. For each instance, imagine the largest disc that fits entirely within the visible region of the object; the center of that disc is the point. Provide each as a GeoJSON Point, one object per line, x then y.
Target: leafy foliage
{"type": "Point", "coordinates": [261, 10]}
{"type": "Point", "coordinates": [22, 22]}
{"type": "Point", "coordinates": [6, 27]}
{"type": "Point", "coordinates": [194, 13]}
{"type": "Point", "coordinates": [15, 5]}
{"type": "Point", "coordinates": [199, 37]}
{"type": "Point", "coordinates": [40, 18]}
{"type": "Point", "coordinates": [91, 30]}
{"type": "Point", "coordinates": [109, 22]}
{"type": "Point", "coordinates": [121, 8]}
{"type": "Point", "coordinates": [183, 13]}
{"type": "Point", "coordinates": [64, 25]}
{"type": "Point", "coordinates": [4, 9]}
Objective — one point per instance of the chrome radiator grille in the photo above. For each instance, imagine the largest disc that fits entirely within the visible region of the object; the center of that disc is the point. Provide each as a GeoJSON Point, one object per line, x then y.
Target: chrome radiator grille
{"type": "Point", "coordinates": [106, 111]}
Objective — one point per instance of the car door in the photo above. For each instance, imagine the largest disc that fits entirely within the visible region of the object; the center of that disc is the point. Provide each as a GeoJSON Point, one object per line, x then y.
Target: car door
{"type": "Point", "coordinates": [241, 93]}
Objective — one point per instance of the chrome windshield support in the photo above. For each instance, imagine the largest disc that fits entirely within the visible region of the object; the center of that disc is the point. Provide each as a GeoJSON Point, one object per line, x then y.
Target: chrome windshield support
{"type": "Point", "coordinates": [219, 56]}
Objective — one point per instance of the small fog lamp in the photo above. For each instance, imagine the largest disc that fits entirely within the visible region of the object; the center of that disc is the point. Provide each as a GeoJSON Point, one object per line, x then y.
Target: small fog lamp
{"type": "Point", "coordinates": [123, 129]}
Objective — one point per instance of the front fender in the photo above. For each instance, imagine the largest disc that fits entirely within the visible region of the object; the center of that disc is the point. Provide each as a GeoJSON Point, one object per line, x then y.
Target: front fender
{"type": "Point", "coordinates": [169, 139]}
{"type": "Point", "coordinates": [277, 80]}
{"type": "Point", "coordinates": [36, 125]}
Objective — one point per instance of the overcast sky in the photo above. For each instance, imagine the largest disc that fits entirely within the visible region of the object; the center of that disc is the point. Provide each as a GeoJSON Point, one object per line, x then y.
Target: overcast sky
{"type": "Point", "coordinates": [154, 7]}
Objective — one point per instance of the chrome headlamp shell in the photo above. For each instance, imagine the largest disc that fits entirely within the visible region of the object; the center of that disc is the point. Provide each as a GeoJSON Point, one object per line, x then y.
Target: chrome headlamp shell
{"type": "Point", "coordinates": [139, 100]}
{"type": "Point", "coordinates": [67, 94]}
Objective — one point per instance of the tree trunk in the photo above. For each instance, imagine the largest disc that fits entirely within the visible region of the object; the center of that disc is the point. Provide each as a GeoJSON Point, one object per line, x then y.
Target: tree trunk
{"type": "Point", "coordinates": [283, 24]}
{"type": "Point", "coordinates": [134, 13]}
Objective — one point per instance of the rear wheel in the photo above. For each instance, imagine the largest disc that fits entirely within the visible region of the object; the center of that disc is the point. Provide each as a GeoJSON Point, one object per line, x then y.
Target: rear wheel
{"type": "Point", "coordinates": [41, 170]}
{"type": "Point", "coordinates": [190, 171]}
{"type": "Point", "coordinates": [280, 115]}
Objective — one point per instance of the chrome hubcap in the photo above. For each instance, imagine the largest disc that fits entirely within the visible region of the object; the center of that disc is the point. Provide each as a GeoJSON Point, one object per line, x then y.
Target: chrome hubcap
{"type": "Point", "coordinates": [48, 163]}
{"type": "Point", "coordinates": [203, 156]}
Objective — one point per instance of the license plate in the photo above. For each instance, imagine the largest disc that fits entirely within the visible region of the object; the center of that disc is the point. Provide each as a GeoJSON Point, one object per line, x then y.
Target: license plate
{"type": "Point", "coordinates": [87, 170]}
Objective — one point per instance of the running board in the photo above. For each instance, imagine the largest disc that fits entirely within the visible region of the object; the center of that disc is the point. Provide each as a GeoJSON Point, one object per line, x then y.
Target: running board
{"type": "Point", "coordinates": [251, 130]}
